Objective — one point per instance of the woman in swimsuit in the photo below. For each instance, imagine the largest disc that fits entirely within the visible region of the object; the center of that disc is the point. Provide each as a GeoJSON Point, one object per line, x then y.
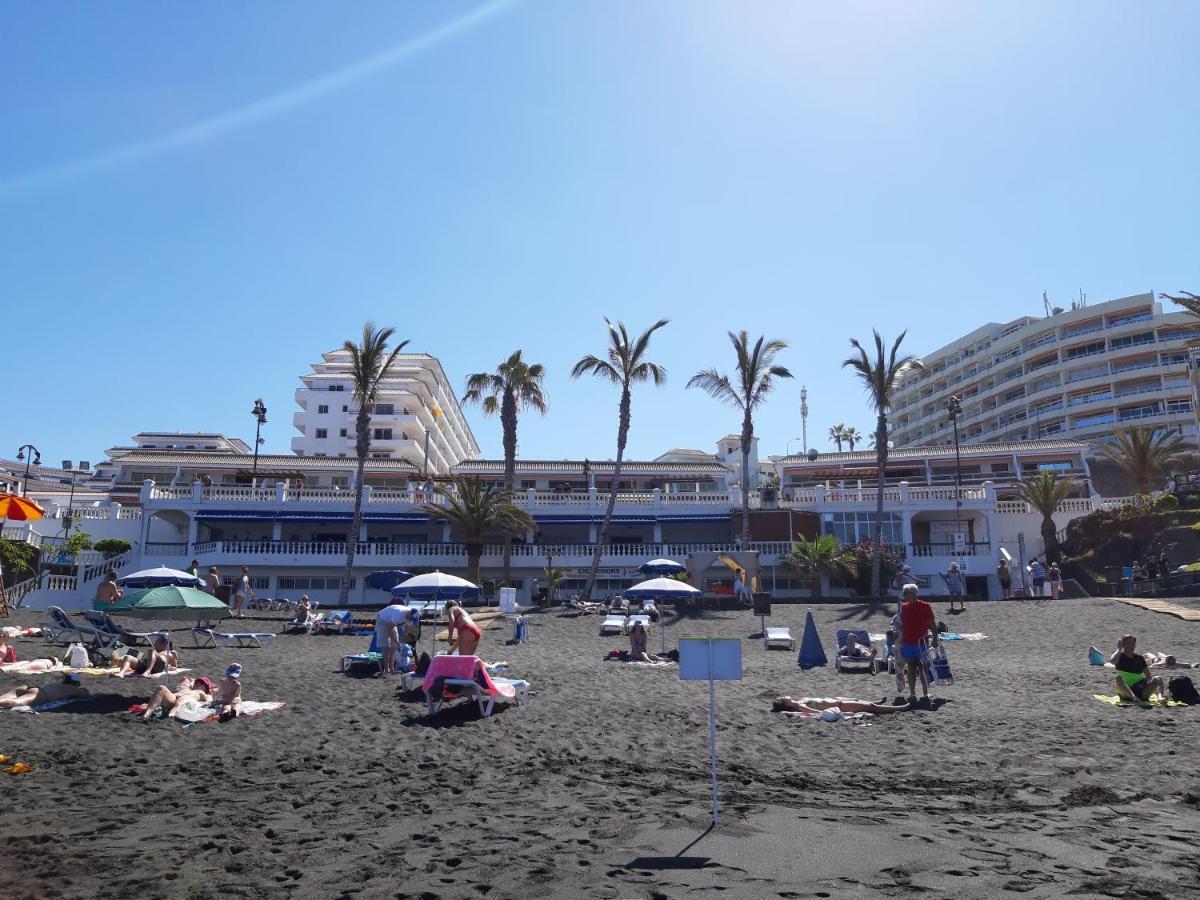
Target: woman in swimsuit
{"type": "Point", "coordinates": [637, 645]}
{"type": "Point", "coordinates": [190, 689]}
{"type": "Point", "coordinates": [462, 632]}
{"type": "Point", "coordinates": [159, 658]}
{"type": "Point", "coordinates": [32, 695]}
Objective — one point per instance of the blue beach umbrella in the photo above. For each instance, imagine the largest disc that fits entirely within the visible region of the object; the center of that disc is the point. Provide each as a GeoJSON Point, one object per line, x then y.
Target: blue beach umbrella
{"type": "Point", "coordinates": [160, 577]}
{"type": "Point", "coordinates": [662, 567]}
{"type": "Point", "coordinates": [385, 581]}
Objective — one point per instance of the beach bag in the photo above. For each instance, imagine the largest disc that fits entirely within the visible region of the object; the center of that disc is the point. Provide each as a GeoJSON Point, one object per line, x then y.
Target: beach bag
{"type": "Point", "coordinates": [1183, 691]}
{"type": "Point", "coordinates": [423, 664]}
{"type": "Point", "coordinates": [77, 656]}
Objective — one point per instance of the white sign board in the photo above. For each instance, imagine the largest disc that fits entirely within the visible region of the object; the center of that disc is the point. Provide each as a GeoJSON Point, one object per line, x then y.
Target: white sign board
{"type": "Point", "coordinates": [710, 659]}
{"type": "Point", "coordinates": [508, 600]}
{"type": "Point", "coordinates": [960, 543]}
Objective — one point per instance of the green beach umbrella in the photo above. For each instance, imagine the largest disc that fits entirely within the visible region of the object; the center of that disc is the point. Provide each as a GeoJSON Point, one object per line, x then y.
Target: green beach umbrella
{"type": "Point", "coordinates": [169, 602]}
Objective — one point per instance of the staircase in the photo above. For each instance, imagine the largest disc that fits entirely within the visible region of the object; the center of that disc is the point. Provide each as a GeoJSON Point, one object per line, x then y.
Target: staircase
{"type": "Point", "coordinates": [71, 592]}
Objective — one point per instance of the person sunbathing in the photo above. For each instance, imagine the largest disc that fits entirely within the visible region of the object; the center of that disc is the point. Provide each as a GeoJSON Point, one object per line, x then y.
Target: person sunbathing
{"type": "Point", "coordinates": [1134, 681]}
{"type": "Point", "coordinates": [8, 653]}
{"type": "Point", "coordinates": [30, 666]}
{"type": "Point", "coordinates": [637, 645]}
{"type": "Point", "coordinates": [28, 695]}
{"type": "Point", "coordinates": [158, 659]}
{"type": "Point", "coordinates": [855, 650]}
{"type": "Point", "coordinates": [195, 690]}
{"type": "Point", "coordinates": [814, 706]}
{"type": "Point", "coordinates": [229, 703]}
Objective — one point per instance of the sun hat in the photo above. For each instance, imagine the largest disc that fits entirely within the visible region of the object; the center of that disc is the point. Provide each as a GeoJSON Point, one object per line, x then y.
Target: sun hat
{"type": "Point", "coordinates": [234, 671]}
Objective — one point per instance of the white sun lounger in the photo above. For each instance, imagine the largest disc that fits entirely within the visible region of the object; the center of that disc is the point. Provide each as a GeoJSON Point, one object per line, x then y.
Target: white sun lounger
{"type": "Point", "coordinates": [482, 688]}
{"type": "Point", "coordinates": [613, 625]}
{"type": "Point", "coordinates": [778, 639]}
{"type": "Point", "coordinates": [232, 639]}
{"type": "Point", "coordinates": [645, 620]}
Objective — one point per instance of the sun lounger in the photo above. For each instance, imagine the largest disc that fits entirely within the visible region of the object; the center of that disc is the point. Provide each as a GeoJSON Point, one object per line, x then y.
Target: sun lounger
{"type": "Point", "coordinates": [613, 625]}
{"type": "Point", "coordinates": [371, 658]}
{"type": "Point", "coordinates": [644, 619]}
{"type": "Point", "coordinates": [59, 629]}
{"type": "Point", "coordinates": [207, 637]}
{"type": "Point", "coordinates": [778, 639]}
{"type": "Point", "coordinates": [841, 662]}
{"type": "Point", "coordinates": [466, 676]}
{"type": "Point", "coordinates": [109, 632]}
{"type": "Point", "coordinates": [337, 621]}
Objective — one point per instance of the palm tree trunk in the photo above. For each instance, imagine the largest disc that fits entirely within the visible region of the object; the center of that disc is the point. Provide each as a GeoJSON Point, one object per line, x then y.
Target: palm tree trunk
{"type": "Point", "coordinates": [508, 421]}
{"type": "Point", "coordinates": [747, 437]}
{"type": "Point", "coordinates": [474, 553]}
{"type": "Point", "coordinates": [1049, 540]}
{"type": "Point", "coordinates": [881, 455]}
{"type": "Point", "coordinates": [623, 417]}
{"type": "Point", "coordinates": [362, 446]}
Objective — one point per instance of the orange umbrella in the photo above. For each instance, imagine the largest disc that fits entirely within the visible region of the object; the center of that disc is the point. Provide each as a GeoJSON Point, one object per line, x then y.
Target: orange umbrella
{"type": "Point", "coordinates": [21, 509]}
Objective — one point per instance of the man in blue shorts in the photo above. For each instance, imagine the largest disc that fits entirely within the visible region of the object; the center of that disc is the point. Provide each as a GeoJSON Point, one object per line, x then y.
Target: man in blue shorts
{"type": "Point", "coordinates": [916, 622]}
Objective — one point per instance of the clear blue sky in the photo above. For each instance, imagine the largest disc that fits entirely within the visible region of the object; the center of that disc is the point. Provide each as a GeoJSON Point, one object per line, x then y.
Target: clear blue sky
{"type": "Point", "coordinates": [198, 199]}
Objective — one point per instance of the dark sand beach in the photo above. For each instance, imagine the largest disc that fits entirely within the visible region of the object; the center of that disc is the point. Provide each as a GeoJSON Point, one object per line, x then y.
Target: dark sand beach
{"type": "Point", "coordinates": [1018, 783]}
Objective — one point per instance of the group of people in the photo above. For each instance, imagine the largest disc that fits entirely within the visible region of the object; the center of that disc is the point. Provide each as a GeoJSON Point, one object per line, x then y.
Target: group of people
{"type": "Point", "coordinates": [226, 696]}
{"type": "Point", "coordinates": [1041, 579]}
{"type": "Point", "coordinates": [1151, 567]}
{"type": "Point", "coordinates": [398, 631]}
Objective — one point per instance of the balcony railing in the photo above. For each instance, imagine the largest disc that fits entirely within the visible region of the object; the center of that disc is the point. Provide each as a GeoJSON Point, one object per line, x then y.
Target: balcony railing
{"type": "Point", "coordinates": [973, 548]}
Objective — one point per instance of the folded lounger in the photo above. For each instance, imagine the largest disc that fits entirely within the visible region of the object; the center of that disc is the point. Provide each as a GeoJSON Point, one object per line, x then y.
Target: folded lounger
{"type": "Point", "coordinates": [778, 639]}
{"type": "Point", "coordinates": [465, 676]}
{"type": "Point", "coordinates": [613, 625]}
{"type": "Point", "coordinates": [840, 662]}
{"type": "Point", "coordinates": [207, 637]}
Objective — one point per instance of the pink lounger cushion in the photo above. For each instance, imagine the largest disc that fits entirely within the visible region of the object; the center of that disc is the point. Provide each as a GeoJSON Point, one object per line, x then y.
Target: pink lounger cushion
{"type": "Point", "coordinates": [465, 668]}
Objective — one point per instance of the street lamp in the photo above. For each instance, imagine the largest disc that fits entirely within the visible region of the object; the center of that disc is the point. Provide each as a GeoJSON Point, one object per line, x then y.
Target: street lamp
{"type": "Point", "coordinates": [35, 458]}
{"type": "Point", "coordinates": [69, 518]}
{"type": "Point", "coordinates": [787, 448]}
{"type": "Point", "coordinates": [260, 417]}
{"type": "Point", "coordinates": [954, 408]}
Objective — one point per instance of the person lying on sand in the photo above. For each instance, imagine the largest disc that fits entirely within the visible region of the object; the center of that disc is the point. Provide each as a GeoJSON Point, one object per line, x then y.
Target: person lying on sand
{"type": "Point", "coordinates": [159, 658]}
{"type": "Point", "coordinates": [229, 704]}
{"type": "Point", "coordinates": [30, 666]}
{"type": "Point", "coordinates": [198, 690]}
{"type": "Point", "coordinates": [816, 705]}
{"type": "Point", "coordinates": [29, 695]}
{"type": "Point", "coordinates": [637, 645]}
{"type": "Point", "coordinates": [855, 650]}
{"type": "Point", "coordinates": [1134, 681]}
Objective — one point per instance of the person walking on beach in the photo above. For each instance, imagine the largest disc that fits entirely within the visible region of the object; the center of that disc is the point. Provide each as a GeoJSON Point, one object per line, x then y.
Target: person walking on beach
{"type": "Point", "coordinates": [243, 592]}
{"type": "Point", "coordinates": [1004, 576]}
{"type": "Point", "coordinates": [1054, 576]}
{"type": "Point", "coordinates": [917, 622]}
{"type": "Point", "coordinates": [954, 585]}
{"type": "Point", "coordinates": [213, 581]}
{"type": "Point", "coordinates": [1037, 572]}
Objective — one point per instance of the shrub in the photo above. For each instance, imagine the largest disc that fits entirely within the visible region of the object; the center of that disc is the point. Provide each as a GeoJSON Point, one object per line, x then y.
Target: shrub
{"type": "Point", "coordinates": [113, 546]}
{"type": "Point", "coordinates": [892, 559]}
{"type": "Point", "coordinates": [1165, 503]}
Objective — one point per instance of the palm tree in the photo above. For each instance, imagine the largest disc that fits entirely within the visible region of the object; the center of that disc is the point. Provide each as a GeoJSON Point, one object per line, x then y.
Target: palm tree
{"type": "Point", "coordinates": [370, 362]}
{"type": "Point", "coordinates": [514, 386]}
{"type": "Point", "coordinates": [851, 436]}
{"type": "Point", "coordinates": [837, 434]}
{"type": "Point", "coordinates": [476, 510]}
{"type": "Point", "coordinates": [553, 579]}
{"type": "Point", "coordinates": [880, 376]}
{"type": "Point", "coordinates": [823, 557]}
{"type": "Point", "coordinates": [1144, 452]}
{"type": "Point", "coordinates": [1189, 301]}
{"type": "Point", "coordinates": [756, 373]}
{"type": "Point", "coordinates": [1044, 492]}
{"type": "Point", "coordinates": [625, 366]}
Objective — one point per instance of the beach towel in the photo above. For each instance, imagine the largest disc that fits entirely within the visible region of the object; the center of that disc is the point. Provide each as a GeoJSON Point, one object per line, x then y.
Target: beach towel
{"type": "Point", "coordinates": [956, 636]}
{"type": "Point", "coordinates": [830, 715]}
{"type": "Point", "coordinates": [45, 707]}
{"type": "Point", "coordinates": [193, 713]}
{"type": "Point", "coordinates": [1116, 700]}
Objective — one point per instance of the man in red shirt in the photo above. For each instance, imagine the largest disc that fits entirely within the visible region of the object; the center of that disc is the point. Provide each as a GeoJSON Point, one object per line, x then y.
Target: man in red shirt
{"type": "Point", "coordinates": [916, 621]}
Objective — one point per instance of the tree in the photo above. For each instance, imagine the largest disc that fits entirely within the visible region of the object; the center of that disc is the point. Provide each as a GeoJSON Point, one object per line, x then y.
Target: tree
{"type": "Point", "coordinates": [851, 436]}
{"type": "Point", "coordinates": [755, 375]}
{"type": "Point", "coordinates": [111, 547]}
{"type": "Point", "coordinates": [1189, 301]}
{"type": "Point", "coordinates": [880, 376]}
{"type": "Point", "coordinates": [625, 366]}
{"type": "Point", "coordinates": [823, 557]}
{"type": "Point", "coordinates": [553, 579]}
{"type": "Point", "coordinates": [370, 363]}
{"type": "Point", "coordinates": [1044, 492]}
{"type": "Point", "coordinates": [514, 386]}
{"type": "Point", "coordinates": [1144, 453]}
{"type": "Point", "coordinates": [17, 558]}
{"type": "Point", "coordinates": [837, 434]}
{"type": "Point", "coordinates": [476, 510]}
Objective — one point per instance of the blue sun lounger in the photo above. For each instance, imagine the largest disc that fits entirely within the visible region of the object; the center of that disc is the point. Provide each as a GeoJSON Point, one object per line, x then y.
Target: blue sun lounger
{"type": "Point", "coordinates": [371, 658]}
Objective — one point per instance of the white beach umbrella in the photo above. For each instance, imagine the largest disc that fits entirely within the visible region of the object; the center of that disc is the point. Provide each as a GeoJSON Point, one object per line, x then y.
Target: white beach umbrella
{"type": "Point", "coordinates": [160, 577]}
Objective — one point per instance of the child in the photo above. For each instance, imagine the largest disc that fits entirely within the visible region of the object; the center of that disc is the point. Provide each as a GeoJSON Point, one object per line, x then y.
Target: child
{"type": "Point", "coordinates": [230, 703]}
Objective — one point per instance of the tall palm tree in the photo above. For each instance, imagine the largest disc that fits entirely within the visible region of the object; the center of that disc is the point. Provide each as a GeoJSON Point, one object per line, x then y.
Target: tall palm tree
{"type": "Point", "coordinates": [1044, 492]}
{"type": "Point", "coordinates": [1189, 301]}
{"type": "Point", "coordinates": [514, 386]}
{"type": "Point", "coordinates": [475, 510]}
{"type": "Point", "coordinates": [880, 376]}
{"type": "Point", "coordinates": [824, 556]}
{"type": "Point", "coordinates": [370, 362]}
{"type": "Point", "coordinates": [625, 366]}
{"type": "Point", "coordinates": [1145, 452]}
{"type": "Point", "coordinates": [851, 436]}
{"type": "Point", "coordinates": [837, 434]}
{"type": "Point", "coordinates": [755, 373]}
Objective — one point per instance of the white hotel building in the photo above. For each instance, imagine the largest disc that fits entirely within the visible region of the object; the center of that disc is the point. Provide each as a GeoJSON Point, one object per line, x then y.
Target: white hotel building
{"type": "Point", "coordinates": [1076, 374]}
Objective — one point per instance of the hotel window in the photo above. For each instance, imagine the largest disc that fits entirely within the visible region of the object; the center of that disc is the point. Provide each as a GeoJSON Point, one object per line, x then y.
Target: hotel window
{"type": "Point", "coordinates": [322, 409]}
{"type": "Point", "coordinates": [341, 432]}
{"type": "Point", "coordinates": [850, 528]}
{"type": "Point", "coordinates": [382, 434]}
{"type": "Point", "coordinates": [322, 433]}
{"type": "Point", "coordinates": [345, 408]}
{"type": "Point", "coordinates": [384, 409]}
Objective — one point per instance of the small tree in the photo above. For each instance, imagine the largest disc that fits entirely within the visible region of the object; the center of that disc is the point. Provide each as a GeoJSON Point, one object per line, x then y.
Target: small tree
{"type": "Point", "coordinates": [1044, 492]}
{"type": "Point", "coordinates": [553, 579]}
{"type": "Point", "coordinates": [75, 543]}
{"type": "Point", "coordinates": [111, 547]}
{"type": "Point", "coordinates": [476, 511]}
{"type": "Point", "coordinates": [18, 559]}
{"type": "Point", "coordinates": [823, 557]}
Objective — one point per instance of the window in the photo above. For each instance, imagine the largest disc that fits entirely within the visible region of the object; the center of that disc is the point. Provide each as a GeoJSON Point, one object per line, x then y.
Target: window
{"type": "Point", "coordinates": [322, 433]}
{"type": "Point", "coordinates": [382, 434]}
{"type": "Point", "coordinates": [341, 432]}
{"type": "Point", "coordinates": [304, 583]}
{"type": "Point", "coordinates": [340, 481]}
{"type": "Point", "coordinates": [850, 528]}
{"type": "Point", "coordinates": [345, 408]}
{"type": "Point", "coordinates": [384, 409]}
{"type": "Point", "coordinates": [337, 387]}
{"type": "Point", "coordinates": [322, 408]}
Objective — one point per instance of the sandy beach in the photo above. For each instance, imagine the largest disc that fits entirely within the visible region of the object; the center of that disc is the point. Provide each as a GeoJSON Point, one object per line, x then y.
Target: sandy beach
{"type": "Point", "coordinates": [1018, 782]}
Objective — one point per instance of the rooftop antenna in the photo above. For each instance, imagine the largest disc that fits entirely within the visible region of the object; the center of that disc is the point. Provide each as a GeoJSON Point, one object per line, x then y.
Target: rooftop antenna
{"type": "Point", "coordinates": [1082, 299]}
{"type": "Point", "coordinates": [1046, 304]}
{"type": "Point", "coordinates": [804, 416]}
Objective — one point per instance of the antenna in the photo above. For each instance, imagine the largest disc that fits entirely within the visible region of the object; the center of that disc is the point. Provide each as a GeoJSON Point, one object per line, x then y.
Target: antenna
{"type": "Point", "coordinates": [1082, 299]}
{"type": "Point", "coordinates": [804, 416]}
{"type": "Point", "coordinates": [1046, 304]}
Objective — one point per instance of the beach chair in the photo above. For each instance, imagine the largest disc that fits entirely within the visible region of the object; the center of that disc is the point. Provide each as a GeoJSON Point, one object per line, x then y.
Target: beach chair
{"type": "Point", "coordinates": [131, 638]}
{"type": "Point", "coordinates": [613, 624]}
{"type": "Point", "coordinates": [937, 664]}
{"type": "Point", "coordinates": [450, 677]}
{"type": "Point", "coordinates": [336, 621]}
{"type": "Point", "coordinates": [644, 619]}
{"type": "Point", "coordinates": [373, 657]}
{"type": "Point", "coordinates": [60, 628]}
{"type": "Point", "coordinates": [778, 639]}
{"type": "Point", "coordinates": [207, 637]}
{"type": "Point", "coordinates": [856, 663]}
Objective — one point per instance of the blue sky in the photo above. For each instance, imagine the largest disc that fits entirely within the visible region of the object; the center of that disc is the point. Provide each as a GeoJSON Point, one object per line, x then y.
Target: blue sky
{"type": "Point", "coordinates": [198, 199]}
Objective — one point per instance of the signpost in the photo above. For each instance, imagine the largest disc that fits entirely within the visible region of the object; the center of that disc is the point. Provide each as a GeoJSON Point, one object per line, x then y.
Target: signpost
{"type": "Point", "coordinates": [711, 660]}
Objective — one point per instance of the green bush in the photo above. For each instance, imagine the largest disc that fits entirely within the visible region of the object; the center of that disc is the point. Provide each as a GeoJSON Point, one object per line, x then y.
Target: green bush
{"type": "Point", "coordinates": [1165, 503]}
{"type": "Point", "coordinates": [113, 546]}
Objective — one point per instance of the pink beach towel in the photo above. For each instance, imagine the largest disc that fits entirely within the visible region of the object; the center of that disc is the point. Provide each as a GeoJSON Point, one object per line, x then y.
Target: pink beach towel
{"type": "Point", "coordinates": [466, 668]}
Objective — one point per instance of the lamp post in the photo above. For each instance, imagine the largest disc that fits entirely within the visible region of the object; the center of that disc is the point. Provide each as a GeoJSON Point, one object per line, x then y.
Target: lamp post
{"type": "Point", "coordinates": [435, 412]}
{"type": "Point", "coordinates": [787, 448]}
{"type": "Point", "coordinates": [260, 417]}
{"type": "Point", "coordinates": [69, 518]}
{"type": "Point", "coordinates": [954, 408]}
{"type": "Point", "coordinates": [35, 456]}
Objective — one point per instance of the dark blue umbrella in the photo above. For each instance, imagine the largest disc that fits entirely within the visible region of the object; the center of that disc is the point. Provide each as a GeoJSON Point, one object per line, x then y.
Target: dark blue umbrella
{"type": "Point", "coordinates": [385, 581]}
{"type": "Point", "coordinates": [662, 567]}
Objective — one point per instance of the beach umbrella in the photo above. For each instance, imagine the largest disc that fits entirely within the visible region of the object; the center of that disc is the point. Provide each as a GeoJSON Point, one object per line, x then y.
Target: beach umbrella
{"type": "Point", "coordinates": [385, 581]}
{"type": "Point", "coordinates": [662, 589]}
{"type": "Point", "coordinates": [169, 602]}
{"type": "Point", "coordinates": [160, 577]}
{"type": "Point", "coordinates": [662, 567]}
{"type": "Point", "coordinates": [436, 586]}
{"type": "Point", "coordinates": [19, 509]}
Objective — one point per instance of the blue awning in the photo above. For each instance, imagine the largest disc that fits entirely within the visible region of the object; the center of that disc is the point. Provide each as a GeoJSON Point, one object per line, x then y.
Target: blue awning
{"type": "Point", "coordinates": [314, 516]}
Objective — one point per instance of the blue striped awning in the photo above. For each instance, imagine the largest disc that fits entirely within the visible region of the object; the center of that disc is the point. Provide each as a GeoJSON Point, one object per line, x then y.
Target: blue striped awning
{"type": "Point", "coordinates": [315, 516]}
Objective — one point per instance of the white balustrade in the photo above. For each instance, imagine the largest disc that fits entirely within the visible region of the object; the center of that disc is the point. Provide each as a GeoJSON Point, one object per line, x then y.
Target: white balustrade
{"type": "Point", "coordinates": [59, 582]}
{"type": "Point", "coordinates": [126, 513]}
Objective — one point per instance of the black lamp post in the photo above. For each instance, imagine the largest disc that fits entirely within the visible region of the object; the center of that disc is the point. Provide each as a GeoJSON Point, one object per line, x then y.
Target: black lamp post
{"type": "Point", "coordinates": [954, 408]}
{"type": "Point", "coordinates": [260, 417]}
{"type": "Point", "coordinates": [35, 456]}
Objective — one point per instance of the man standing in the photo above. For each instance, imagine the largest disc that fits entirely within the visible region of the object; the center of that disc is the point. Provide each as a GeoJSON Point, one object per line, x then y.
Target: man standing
{"type": "Point", "coordinates": [388, 623]}
{"type": "Point", "coordinates": [916, 622]}
{"type": "Point", "coordinates": [1004, 576]}
{"type": "Point", "coordinates": [243, 592]}
{"type": "Point", "coordinates": [1037, 572]}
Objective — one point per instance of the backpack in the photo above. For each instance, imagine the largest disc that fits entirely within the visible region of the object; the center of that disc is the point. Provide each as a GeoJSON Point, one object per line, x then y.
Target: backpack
{"type": "Point", "coordinates": [1183, 691]}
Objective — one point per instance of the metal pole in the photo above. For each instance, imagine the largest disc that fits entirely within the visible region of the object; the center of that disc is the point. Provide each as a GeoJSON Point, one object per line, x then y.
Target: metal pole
{"type": "Point", "coordinates": [804, 417]}
{"type": "Point", "coordinates": [712, 731]}
{"type": "Point", "coordinates": [425, 461]}
{"type": "Point", "coordinates": [257, 433]}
